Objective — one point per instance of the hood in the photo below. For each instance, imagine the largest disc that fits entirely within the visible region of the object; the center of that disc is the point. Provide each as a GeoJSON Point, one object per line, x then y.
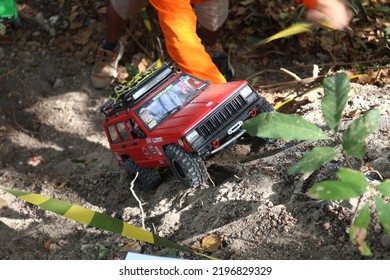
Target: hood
{"type": "Point", "coordinates": [193, 112]}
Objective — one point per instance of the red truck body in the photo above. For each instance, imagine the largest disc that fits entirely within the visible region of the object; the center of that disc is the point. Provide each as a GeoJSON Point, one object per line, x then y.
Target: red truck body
{"type": "Point", "coordinates": [192, 117]}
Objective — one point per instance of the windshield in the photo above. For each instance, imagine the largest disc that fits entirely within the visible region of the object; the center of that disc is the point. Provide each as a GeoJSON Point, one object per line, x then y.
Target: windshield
{"type": "Point", "coordinates": [169, 100]}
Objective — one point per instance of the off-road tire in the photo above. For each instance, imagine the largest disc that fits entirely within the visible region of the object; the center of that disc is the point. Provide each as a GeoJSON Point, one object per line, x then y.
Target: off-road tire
{"type": "Point", "coordinates": [148, 178]}
{"type": "Point", "coordinates": [188, 168]}
{"type": "Point", "coordinates": [265, 106]}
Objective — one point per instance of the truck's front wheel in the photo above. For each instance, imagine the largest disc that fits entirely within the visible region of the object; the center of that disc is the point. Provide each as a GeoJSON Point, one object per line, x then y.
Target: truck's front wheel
{"type": "Point", "coordinates": [148, 179]}
{"type": "Point", "coordinates": [188, 168]}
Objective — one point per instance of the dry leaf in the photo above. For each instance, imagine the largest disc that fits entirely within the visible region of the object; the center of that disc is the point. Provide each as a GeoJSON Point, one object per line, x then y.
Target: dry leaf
{"type": "Point", "coordinates": [102, 10]}
{"type": "Point", "coordinates": [132, 247]}
{"type": "Point", "coordinates": [73, 15]}
{"type": "Point", "coordinates": [82, 37]}
{"type": "Point", "coordinates": [241, 11]}
{"type": "Point", "coordinates": [3, 203]}
{"type": "Point", "coordinates": [211, 243]}
{"type": "Point", "coordinates": [247, 2]}
{"type": "Point", "coordinates": [61, 3]}
{"type": "Point", "coordinates": [47, 245]}
{"type": "Point", "coordinates": [75, 25]}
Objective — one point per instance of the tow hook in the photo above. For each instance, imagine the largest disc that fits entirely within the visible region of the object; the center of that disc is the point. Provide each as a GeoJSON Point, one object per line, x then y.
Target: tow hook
{"type": "Point", "coordinates": [216, 143]}
{"type": "Point", "coordinates": [253, 112]}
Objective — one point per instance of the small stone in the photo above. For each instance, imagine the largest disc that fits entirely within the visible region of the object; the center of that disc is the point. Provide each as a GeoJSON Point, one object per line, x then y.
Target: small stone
{"type": "Point", "coordinates": [377, 228]}
{"type": "Point", "coordinates": [54, 19]}
{"type": "Point", "coordinates": [382, 166]}
{"type": "Point", "coordinates": [385, 241]}
{"type": "Point", "coordinates": [58, 84]}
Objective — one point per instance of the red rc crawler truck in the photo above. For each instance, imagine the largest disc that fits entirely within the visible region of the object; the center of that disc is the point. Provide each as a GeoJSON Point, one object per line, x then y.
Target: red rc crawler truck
{"type": "Point", "coordinates": [164, 117]}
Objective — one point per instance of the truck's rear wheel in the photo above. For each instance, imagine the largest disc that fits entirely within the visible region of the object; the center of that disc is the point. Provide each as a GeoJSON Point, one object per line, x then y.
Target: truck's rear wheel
{"type": "Point", "coordinates": [188, 168]}
{"type": "Point", "coordinates": [148, 179]}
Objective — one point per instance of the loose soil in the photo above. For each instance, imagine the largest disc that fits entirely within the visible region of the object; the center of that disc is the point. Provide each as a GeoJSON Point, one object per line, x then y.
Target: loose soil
{"type": "Point", "coordinates": [53, 143]}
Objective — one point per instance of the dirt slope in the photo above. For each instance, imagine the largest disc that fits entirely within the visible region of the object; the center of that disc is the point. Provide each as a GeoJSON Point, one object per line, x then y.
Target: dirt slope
{"type": "Point", "coordinates": [52, 142]}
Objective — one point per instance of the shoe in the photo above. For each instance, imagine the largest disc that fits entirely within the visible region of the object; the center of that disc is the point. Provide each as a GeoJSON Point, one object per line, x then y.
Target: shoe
{"type": "Point", "coordinates": [221, 60]}
{"type": "Point", "coordinates": [105, 69]}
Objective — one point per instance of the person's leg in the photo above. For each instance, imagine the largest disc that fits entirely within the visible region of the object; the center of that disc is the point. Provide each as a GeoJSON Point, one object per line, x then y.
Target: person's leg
{"type": "Point", "coordinates": [115, 26]}
{"type": "Point", "coordinates": [211, 15]}
{"type": "Point", "coordinates": [105, 69]}
{"type": "Point", "coordinates": [118, 13]}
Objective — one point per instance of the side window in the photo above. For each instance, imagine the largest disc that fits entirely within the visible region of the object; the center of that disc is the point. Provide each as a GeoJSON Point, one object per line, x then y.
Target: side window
{"type": "Point", "coordinates": [135, 130]}
{"type": "Point", "coordinates": [122, 131]}
{"type": "Point", "coordinates": [113, 134]}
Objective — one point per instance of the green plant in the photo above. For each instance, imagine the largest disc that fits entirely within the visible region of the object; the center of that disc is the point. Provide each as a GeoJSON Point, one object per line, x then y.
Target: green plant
{"type": "Point", "coordinates": [352, 183]}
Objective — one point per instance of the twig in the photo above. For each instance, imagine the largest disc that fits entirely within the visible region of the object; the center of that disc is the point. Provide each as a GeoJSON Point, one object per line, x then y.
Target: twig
{"type": "Point", "coordinates": [18, 125]}
{"type": "Point", "coordinates": [230, 66]}
{"type": "Point", "coordinates": [316, 70]}
{"type": "Point", "coordinates": [260, 73]}
{"type": "Point", "coordinates": [160, 49]}
{"type": "Point", "coordinates": [8, 73]}
{"type": "Point", "coordinates": [139, 201]}
{"type": "Point", "coordinates": [138, 43]}
{"type": "Point", "coordinates": [296, 77]}
{"type": "Point", "coordinates": [345, 63]}
{"type": "Point", "coordinates": [211, 180]}
{"type": "Point", "coordinates": [377, 172]}
{"type": "Point", "coordinates": [357, 209]}
{"type": "Point", "coordinates": [278, 86]}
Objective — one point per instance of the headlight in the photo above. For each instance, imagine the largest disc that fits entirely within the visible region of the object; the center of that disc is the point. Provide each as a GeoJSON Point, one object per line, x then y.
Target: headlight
{"type": "Point", "coordinates": [192, 136]}
{"type": "Point", "coordinates": [246, 91]}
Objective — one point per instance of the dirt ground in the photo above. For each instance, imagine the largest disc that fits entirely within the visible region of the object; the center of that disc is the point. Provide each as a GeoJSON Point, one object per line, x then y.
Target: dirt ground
{"type": "Point", "coordinates": [52, 143]}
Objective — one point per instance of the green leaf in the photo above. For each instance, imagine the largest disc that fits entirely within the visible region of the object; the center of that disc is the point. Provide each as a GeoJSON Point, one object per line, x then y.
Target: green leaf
{"type": "Point", "coordinates": [384, 188]}
{"type": "Point", "coordinates": [384, 9]}
{"type": "Point", "coordinates": [313, 160]}
{"type": "Point", "coordinates": [335, 99]}
{"type": "Point", "coordinates": [352, 183]}
{"type": "Point", "coordinates": [354, 142]}
{"type": "Point", "coordinates": [281, 126]}
{"type": "Point", "coordinates": [352, 176]}
{"type": "Point", "coordinates": [358, 231]}
{"type": "Point", "coordinates": [335, 190]}
{"type": "Point", "coordinates": [383, 211]}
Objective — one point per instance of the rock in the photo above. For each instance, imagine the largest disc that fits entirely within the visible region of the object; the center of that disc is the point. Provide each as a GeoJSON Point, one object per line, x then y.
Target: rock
{"type": "Point", "coordinates": [58, 84]}
{"type": "Point", "coordinates": [54, 19]}
{"type": "Point", "coordinates": [385, 241]}
{"type": "Point", "coordinates": [382, 165]}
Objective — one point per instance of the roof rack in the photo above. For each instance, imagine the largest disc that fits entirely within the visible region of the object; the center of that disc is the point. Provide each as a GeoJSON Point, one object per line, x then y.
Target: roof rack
{"type": "Point", "coordinates": [129, 93]}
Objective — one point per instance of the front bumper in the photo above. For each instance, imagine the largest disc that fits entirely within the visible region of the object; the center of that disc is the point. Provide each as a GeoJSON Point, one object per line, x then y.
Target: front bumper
{"type": "Point", "coordinates": [228, 133]}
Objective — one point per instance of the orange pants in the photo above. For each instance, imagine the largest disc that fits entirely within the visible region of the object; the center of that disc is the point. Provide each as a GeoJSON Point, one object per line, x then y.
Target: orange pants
{"type": "Point", "coordinates": [178, 22]}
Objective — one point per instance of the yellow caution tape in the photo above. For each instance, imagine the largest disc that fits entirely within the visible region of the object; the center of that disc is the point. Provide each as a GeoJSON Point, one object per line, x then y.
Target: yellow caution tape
{"type": "Point", "coordinates": [99, 220]}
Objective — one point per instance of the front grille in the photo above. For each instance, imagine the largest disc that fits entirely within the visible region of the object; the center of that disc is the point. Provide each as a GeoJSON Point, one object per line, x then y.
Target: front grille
{"type": "Point", "coordinates": [222, 116]}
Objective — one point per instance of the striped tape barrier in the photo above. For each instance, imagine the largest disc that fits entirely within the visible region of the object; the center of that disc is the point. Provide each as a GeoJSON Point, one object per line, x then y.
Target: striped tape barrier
{"type": "Point", "coordinates": [99, 220]}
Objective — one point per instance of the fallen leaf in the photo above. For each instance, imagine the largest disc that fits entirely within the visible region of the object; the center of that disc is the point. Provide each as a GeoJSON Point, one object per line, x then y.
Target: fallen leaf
{"type": "Point", "coordinates": [82, 37]}
{"type": "Point", "coordinates": [211, 243]}
{"type": "Point", "coordinates": [132, 247]}
{"type": "Point", "coordinates": [47, 245]}
{"type": "Point", "coordinates": [75, 25]}
{"type": "Point", "coordinates": [3, 203]}
{"type": "Point", "coordinates": [73, 15]}
{"type": "Point", "coordinates": [102, 10]}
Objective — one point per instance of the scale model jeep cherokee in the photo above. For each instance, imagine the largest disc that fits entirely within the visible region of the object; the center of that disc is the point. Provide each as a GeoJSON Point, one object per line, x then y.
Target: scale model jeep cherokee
{"type": "Point", "coordinates": [167, 118]}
